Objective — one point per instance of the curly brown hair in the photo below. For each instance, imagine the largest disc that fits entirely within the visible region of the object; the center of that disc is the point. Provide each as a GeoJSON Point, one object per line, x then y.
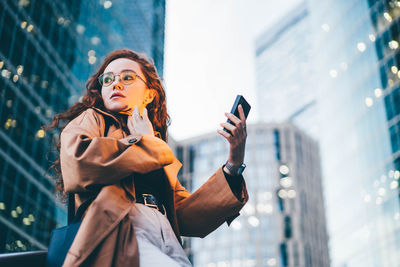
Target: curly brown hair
{"type": "Point", "coordinates": [157, 109]}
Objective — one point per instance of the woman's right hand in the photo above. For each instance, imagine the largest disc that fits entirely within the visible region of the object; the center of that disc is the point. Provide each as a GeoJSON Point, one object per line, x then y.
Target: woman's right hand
{"type": "Point", "coordinates": [139, 124]}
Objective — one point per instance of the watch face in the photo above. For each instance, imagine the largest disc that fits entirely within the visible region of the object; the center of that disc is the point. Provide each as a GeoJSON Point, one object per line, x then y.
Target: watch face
{"type": "Point", "coordinates": [241, 169]}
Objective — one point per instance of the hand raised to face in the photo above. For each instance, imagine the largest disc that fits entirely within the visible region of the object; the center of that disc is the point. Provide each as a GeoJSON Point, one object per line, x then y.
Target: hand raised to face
{"type": "Point", "coordinates": [139, 124]}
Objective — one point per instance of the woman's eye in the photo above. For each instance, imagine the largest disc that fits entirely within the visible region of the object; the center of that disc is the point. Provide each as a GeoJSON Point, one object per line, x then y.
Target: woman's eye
{"type": "Point", "coordinates": [107, 79]}
{"type": "Point", "coordinates": [128, 77]}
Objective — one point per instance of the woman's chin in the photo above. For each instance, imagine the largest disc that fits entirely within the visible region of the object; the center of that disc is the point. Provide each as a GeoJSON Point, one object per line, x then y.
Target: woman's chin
{"type": "Point", "coordinates": [117, 108]}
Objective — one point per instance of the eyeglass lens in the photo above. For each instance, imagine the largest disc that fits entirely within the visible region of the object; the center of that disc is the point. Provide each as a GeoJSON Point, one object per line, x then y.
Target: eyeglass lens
{"type": "Point", "coordinates": [126, 77]}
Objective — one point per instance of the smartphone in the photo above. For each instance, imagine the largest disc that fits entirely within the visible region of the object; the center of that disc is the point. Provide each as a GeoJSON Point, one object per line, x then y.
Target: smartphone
{"type": "Point", "coordinates": [235, 111]}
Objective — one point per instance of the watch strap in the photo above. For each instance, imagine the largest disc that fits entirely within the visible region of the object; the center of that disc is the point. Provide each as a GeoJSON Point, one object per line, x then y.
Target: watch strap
{"type": "Point", "coordinates": [235, 170]}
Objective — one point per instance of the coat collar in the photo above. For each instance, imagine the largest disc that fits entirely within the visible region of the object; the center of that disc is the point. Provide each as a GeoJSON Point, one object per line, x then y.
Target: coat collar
{"type": "Point", "coordinates": [107, 114]}
{"type": "Point", "coordinates": [157, 134]}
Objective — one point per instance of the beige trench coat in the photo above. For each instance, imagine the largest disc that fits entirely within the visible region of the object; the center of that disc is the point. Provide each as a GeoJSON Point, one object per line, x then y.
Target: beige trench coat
{"type": "Point", "coordinates": [94, 164]}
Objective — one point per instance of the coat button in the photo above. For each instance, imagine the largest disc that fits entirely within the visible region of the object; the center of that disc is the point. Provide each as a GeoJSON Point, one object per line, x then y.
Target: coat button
{"type": "Point", "coordinates": [133, 140]}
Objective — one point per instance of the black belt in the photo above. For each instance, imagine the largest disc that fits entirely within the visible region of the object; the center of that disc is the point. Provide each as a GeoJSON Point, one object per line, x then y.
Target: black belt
{"type": "Point", "coordinates": [150, 201]}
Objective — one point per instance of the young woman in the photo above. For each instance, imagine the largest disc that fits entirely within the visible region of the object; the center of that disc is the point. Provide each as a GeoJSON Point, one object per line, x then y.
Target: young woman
{"type": "Point", "coordinates": [113, 152]}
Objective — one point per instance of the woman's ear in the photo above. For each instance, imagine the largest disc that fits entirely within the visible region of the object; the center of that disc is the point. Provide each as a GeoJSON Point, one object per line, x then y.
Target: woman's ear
{"type": "Point", "coordinates": [150, 94]}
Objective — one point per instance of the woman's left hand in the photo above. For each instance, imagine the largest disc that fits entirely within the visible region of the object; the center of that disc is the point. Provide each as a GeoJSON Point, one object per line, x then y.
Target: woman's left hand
{"type": "Point", "coordinates": [237, 140]}
{"type": "Point", "coordinates": [139, 124]}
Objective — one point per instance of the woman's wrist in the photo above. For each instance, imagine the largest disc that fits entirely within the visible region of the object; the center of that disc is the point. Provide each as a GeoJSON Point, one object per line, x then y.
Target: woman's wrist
{"type": "Point", "coordinates": [225, 169]}
{"type": "Point", "coordinates": [233, 169]}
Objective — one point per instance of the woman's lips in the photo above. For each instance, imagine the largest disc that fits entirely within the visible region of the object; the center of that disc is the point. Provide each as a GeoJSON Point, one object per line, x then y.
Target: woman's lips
{"type": "Point", "coordinates": [115, 96]}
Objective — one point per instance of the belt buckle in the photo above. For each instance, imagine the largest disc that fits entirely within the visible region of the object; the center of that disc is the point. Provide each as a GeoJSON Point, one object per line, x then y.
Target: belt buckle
{"type": "Point", "coordinates": [148, 204]}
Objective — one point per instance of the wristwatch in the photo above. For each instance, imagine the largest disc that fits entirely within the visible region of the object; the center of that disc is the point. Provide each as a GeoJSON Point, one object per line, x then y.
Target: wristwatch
{"type": "Point", "coordinates": [235, 170]}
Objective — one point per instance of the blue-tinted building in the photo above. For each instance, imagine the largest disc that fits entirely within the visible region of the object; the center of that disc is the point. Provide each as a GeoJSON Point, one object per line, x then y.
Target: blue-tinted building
{"type": "Point", "coordinates": [287, 90]}
{"type": "Point", "coordinates": [356, 57]}
{"type": "Point", "coordinates": [285, 77]}
{"type": "Point", "coordinates": [48, 49]}
{"type": "Point", "coordinates": [36, 56]}
{"type": "Point", "coordinates": [109, 25]}
{"type": "Point", "coordinates": [283, 224]}
{"type": "Point", "coordinates": [386, 22]}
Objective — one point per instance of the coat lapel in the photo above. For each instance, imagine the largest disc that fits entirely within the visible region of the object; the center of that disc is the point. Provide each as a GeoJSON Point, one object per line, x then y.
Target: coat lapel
{"type": "Point", "coordinates": [172, 170]}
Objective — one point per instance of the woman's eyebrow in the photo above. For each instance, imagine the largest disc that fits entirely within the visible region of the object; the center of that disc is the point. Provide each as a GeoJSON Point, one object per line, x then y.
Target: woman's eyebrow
{"type": "Point", "coordinates": [120, 71]}
{"type": "Point", "coordinates": [128, 70]}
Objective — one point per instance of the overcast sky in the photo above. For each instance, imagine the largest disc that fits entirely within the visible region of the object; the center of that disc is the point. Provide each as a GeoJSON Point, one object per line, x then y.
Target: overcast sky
{"type": "Point", "coordinates": [209, 59]}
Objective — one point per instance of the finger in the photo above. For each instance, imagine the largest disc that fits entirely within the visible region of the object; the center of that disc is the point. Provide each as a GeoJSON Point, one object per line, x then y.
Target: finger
{"type": "Point", "coordinates": [235, 132]}
{"type": "Point", "coordinates": [136, 113]}
{"type": "Point", "coordinates": [241, 115]}
{"type": "Point", "coordinates": [233, 118]}
{"type": "Point", "coordinates": [225, 134]}
{"type": "Point", "coordinates": [228, 126]}
{"type": "Point", "coordinates": [130, 123]}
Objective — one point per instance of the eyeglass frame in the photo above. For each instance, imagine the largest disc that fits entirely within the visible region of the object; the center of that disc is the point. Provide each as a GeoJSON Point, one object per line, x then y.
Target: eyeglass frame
{"type": "Point", "coordinates": [115, 75]}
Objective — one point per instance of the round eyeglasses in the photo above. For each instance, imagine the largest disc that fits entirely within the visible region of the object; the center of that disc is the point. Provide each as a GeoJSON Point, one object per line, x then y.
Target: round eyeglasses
{"type": "Point", "coordinates": [126, 77]}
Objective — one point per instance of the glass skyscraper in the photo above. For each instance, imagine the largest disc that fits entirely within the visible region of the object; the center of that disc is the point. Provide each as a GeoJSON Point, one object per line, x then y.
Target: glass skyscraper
{"type": "Point", "coordinates": [287, 91]}
{"type": "Point", "coordinates": [35, 58]}
{"type": "Point", "coordinates": [385, 16]}
{"type": "Point", "coordinates": [48, 49]}
{"type": "Point", "coordinates": [106, 26]}
{"type": "Point", "coordinates": [285, 76]}
{"type": "Point", "coordinates": [283, 224]}
{"type": "Point", "coordinates": [357, 63]}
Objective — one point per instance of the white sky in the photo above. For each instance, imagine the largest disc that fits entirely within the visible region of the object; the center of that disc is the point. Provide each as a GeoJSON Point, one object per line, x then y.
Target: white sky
{"type": "Point", "coordinates": [209, 59]}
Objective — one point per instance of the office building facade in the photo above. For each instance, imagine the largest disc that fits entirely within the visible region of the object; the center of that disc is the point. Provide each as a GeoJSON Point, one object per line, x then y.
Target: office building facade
{"type": "Point", "coordinates": [385, 17]}
{"type": "Point", "coordinates": [356, 59]}
{"type": "Point", "coordinates": [285, 77]}
{"type": "Point", "coordinates": [104, 26]}
{"type": "Point", "coordinates": [283, 224]}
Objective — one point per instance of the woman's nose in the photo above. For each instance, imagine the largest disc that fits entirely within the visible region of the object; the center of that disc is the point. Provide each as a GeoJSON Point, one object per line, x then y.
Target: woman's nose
{"type": "Point", "coordinates": [118, 86]}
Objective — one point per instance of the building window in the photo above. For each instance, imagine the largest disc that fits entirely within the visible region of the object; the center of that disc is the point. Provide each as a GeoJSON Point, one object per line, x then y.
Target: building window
{"type": "Point", "coordinates": [384, 77]}
{"type": "Point", "coordinates": [277, 145]}
{"type": "Point", "coordinates": [389, 107]}
{"type": "Point", "coordinates": [192, 155]}
{"type": "Point", "coordinates": [288, 227]}
{"type": "Point", "coordinates": [394, 138]}
{"type": "Point", "coordinates": [281, 202]}
{"type": "Point", "coordinates": [284, 254]}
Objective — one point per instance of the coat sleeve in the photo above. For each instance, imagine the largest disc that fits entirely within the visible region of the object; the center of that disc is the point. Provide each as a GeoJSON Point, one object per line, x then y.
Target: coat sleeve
{"type": "Point", "coordinates": [89, 159]}
{"type": "Point", "coordinates": [208, 207]}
